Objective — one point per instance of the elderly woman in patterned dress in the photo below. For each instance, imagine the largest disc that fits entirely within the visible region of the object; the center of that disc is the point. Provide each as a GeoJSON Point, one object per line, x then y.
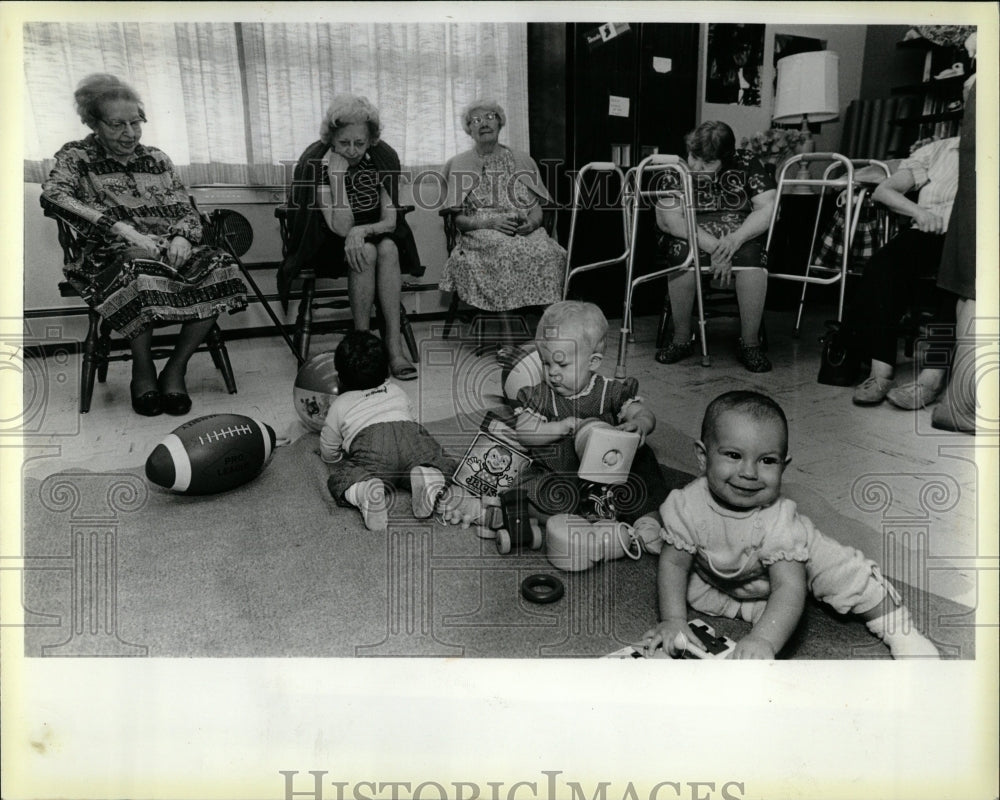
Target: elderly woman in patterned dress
{"type": "Point", "coordinates": [503, 259]}
{"type": "Point", "coordinates": [142, 263]}
{"type": "Point", "coordinates": [734, 197]}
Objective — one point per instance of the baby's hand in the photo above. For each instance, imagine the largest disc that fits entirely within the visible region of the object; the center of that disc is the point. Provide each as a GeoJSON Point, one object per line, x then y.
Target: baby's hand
{"type": "Point", "coordinates": [570, 424]}
{"type": "Point", "coordinates": [634, 427]}
{"type": "Point", "coordinates": [664, 635]}
{"type": "Point", "coordinates": [754, 647]}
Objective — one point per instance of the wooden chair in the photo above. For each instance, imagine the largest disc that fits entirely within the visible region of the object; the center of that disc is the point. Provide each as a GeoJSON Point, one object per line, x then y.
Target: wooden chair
{"type": "Point", "coordinates": [309, 303]}
{"type": "Point", "coordinates": [448, 215]}
{"type": "Point", "coordinates": [97, 346]}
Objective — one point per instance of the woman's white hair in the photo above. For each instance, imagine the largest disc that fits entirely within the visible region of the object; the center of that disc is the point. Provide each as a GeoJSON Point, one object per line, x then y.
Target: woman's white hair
{"type": "Point", "coordinates": [350, 109]}
{"type": "Point", "coordinates": [482, 105]}
{"type": "Point", "coordinates": [100, 88]}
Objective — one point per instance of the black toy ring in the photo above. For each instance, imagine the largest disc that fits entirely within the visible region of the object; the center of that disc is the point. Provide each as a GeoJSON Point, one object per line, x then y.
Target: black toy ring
{"type": "Point", "coordinates": [542, 588]}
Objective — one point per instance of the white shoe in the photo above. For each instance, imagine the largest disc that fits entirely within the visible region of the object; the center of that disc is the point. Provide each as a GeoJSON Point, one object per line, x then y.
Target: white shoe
{"type": "Point", "coordinates": [373, 503]}
{"type": "Point", "coordinates": [426, 487]}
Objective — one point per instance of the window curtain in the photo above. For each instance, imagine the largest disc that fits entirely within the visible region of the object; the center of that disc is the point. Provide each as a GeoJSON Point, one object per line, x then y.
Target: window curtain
{"type": "Point", "coordinates": [237, 103]}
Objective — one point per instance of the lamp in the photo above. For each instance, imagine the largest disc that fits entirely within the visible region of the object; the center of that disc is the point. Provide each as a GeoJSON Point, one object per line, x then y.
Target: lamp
{"type": "Point", "coordinates": [807, 92]}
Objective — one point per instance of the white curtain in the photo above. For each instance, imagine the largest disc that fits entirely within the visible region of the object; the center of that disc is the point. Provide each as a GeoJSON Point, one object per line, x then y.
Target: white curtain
{"type": "Point", "coordinates": [235, 103]}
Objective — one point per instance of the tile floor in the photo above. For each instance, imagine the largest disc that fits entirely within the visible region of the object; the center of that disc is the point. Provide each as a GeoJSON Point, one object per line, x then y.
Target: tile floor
{"type": "Point", "coordinates": [876, 465]}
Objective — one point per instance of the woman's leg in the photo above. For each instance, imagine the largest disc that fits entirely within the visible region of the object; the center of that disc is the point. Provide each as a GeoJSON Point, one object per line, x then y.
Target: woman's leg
{"type": "Point", "coordinates": [389, 290]}
{"type": "Point", "coordinates": [751, 291]}
{"type": "Point", "coordinates": [143, 368]}
{"type": "Point", "coordinates": [680, 288]}
{"type": "Point", "coordinates": [191, 335]}
{"type": "Point", "coordinates": [361, 289]}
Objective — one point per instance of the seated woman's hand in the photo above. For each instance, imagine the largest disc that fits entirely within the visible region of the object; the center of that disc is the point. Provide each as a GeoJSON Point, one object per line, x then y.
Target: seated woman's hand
{"type": "Point", "coordinates": [928, 221]}
{"type": "Point", "coordinates": [354, 249]}
{"type": "Point", "coordinates": [178, 252]}
{"type": "Point", "coordinates": [505, 223]}
{"type": "Point", "coordinates": [726, 248]}
{"type": "Point", "coordinates": [139, 240]}
{"type": "Point", "coordinates": [337, 163]}
{"type": "Point", "coordinates": [753, 647]}
{"type": "Point", "coordinates": [524, 227]}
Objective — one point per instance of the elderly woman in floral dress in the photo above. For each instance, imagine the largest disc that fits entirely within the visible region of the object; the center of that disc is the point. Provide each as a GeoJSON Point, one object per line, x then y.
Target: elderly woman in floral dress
{"type": "Point", "coordinates": [143, 262]}
{"type": "Point", "coordinates": [503, 259]}
{"type": "Point", "coordinates": [734, 197]}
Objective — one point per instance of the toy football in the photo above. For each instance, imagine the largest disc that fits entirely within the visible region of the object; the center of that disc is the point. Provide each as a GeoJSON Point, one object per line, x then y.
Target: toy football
{"type": "Point", "coordinates": [211, 454]}
{"type": "Point", "coordinates": [316, 385]}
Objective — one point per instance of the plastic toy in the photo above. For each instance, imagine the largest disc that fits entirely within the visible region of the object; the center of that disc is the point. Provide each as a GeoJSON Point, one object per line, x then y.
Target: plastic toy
{"type": "Point", "coordinates": [542, 588]}
{"type": "Point", "coordinates": [211, 454]}
{"type": "Point", "coordinates": [493, 461]}
{"type": "Point", "coordinates": [518, 529]}
{"type": "Point", "coordinates": [606, 455]}
{"type": "Point", "coordinates": [574, 543]}
{"type": "Point", "coordinates": [714, 646]}
{"type": "Point", "coordinates": [316, 385]}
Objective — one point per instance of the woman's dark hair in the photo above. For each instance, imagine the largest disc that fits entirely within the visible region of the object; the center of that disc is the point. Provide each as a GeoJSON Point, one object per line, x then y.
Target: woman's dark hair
{"type": "Point", "coordinates": [362, 361]}
{"type": "Point", "coordinates": [711, 141]}
{"type": "Point", "coordinates": [96, 90]}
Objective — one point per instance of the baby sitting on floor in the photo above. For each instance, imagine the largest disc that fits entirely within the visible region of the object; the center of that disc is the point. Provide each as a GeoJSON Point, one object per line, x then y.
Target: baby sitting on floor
{"type": "Point", "coordinates": [734, 547]}
{"type": "Point", "coordinates": [572, 395]}
{"type": "Point", "coordinates": [371, 437]}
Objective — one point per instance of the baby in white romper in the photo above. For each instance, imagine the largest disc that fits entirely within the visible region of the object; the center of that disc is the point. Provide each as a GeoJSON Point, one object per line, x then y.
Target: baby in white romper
{"type": "Point", "coordinates": [740, 549]}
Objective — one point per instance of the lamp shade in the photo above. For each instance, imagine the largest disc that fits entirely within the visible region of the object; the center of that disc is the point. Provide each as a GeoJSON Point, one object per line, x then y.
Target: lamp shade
{"type": "Point", "coordinates": [807, 87]}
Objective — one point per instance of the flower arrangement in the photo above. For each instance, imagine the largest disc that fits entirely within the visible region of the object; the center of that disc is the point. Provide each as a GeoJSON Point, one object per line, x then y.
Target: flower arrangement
{"type": "Point", "coordinates": [776, 144]}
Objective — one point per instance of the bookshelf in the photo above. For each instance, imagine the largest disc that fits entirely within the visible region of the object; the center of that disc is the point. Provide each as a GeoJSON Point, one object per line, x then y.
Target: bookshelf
{"type": "Point", "coordinates": [931, 108]}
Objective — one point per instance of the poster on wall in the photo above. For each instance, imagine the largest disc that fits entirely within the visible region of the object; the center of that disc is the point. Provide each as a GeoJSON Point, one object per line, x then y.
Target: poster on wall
{"type": "Point", "coordinates": [735, 63]}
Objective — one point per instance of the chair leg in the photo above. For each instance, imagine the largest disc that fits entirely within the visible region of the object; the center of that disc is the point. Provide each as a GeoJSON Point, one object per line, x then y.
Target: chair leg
{"type": "Point", "coordinates": [88, 367]}
{"type": "Point", "coordinates": [220, 356]}
{"type": "Point", "coordinates": [452, 313]}
{"type": "Point", "coordinates": [666, 316]}
{"type": "Point", "coordinates": [407, 330]}
{"type": "Point", "coordinates": [303, 323]}
{"type": "Point", "coordinates": [102, 354]}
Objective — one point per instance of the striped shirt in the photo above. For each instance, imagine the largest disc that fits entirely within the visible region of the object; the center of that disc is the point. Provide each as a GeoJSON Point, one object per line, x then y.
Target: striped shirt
{"type": "Point", "coordinates": [935, 174]}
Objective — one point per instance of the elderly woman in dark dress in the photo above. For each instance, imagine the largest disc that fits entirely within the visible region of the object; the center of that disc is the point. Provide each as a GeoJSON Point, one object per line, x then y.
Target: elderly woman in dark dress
{"type": "Point", "coordinates": [142, 263]}
{"type": "Point", "coordinates": [734, 196]}
{"type": "Point", "coordinates": [357, 229]}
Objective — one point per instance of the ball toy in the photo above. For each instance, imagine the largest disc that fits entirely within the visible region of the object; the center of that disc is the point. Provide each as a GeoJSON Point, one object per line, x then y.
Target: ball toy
{"type": "Point", "coordinates": [211, 454]}
{"type": "Point", "coordinates": [315, 387]}
{"type": "Point", "coordinates": [521, 367]}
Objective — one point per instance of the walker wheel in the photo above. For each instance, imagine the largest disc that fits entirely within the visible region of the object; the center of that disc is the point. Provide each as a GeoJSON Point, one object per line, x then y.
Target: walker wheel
{"type": "Point", "coordinates": [542, 588]}
{"type": "Point", "coordinates": [504, 543]}
{"type": "Point", "coordinates": [536, 535]}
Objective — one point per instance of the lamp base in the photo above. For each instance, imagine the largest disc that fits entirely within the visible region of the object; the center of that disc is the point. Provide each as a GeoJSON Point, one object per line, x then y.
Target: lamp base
{"type": "Point", "coordinates": [808, 146]}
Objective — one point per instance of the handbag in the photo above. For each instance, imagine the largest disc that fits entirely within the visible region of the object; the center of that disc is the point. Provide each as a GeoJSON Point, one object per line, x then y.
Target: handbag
{"type": "Point", "coordinates": [840, 361]}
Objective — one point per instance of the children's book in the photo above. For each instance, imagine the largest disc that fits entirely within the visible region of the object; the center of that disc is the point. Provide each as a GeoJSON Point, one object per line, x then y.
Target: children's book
{"type": "Point", "coordinates": [493, 461]}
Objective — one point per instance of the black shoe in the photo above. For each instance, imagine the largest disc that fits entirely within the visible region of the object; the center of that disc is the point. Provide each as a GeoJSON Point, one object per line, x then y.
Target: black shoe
{"type": "Point", "coordinates": [148, 404]}
{"type": "Point", "coordinates": [674, 352]}
{"type": "Point", "coordinates": [752, 357]}
{"type": "Point", "coordinates": [177, 404]}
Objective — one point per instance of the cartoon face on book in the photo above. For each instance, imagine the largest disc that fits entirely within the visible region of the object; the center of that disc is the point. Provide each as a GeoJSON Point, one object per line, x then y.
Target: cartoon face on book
{"type": "Point", "coordinates": [490, 466]}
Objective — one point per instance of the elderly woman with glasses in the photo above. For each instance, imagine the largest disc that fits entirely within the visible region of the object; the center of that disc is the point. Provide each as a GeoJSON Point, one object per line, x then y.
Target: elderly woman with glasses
{"type": "Point", "coordinates": [503, 260]}
{"type": "Point", "coordinates": [143, 263]}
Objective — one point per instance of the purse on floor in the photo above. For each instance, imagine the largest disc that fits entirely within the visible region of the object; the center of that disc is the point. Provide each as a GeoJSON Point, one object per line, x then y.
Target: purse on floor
{"type": "Point", "coordinates": [840, 361]}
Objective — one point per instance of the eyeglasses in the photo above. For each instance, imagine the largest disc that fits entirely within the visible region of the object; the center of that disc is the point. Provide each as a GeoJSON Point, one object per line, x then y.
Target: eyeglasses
{"type": "Point", "coordinates": [489, 116]}
{"type": "Point", "coordinates": [118, 125]}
